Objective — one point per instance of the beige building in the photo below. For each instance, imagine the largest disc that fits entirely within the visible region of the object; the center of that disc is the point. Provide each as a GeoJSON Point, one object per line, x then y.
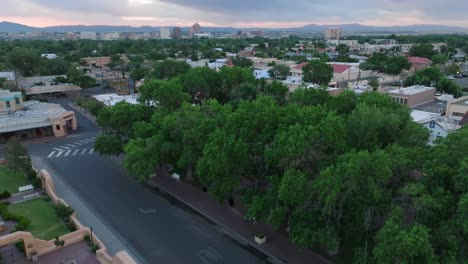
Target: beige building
{"type": "Point", "coordinates": [333, 33]}
{"type": "Point", "coordinates": [31, 119]}
{"type": "Point", "coordinates": [413, 96]}
{"type": "Point", "coordinates": [458, 108]}
{"type": "Point", "coordinates": [96, 61]}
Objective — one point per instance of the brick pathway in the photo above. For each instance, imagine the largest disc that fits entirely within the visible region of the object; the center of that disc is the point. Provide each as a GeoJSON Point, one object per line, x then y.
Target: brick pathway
{"type": "Point", "coordinates": [25, 196]}
{"type": "Point", "coordinates": [78, 252]}
{"type": "Point", "coordinates": [278, 244]}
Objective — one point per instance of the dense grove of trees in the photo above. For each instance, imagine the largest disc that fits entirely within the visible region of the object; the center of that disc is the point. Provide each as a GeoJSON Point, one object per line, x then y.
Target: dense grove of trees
{"type": "Point", "coordinates": [382, 63]}
{"type": "Point", "coordinates": [351, 176]}
{"type": "Point", "coordinates": [434, 77]}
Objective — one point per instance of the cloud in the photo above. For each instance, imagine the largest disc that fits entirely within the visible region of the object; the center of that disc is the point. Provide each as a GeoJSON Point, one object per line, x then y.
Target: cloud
{"type": "Point", "coordinates": [240, 12]}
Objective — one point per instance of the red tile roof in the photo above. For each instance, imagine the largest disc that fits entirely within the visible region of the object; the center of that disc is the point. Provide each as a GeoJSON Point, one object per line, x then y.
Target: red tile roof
{"type": "Point", "coordinates": [340, 68]}
{"type": "Point", "coordinates": [300, 65]}
{"type": "Point", "coordinates": [419, 60]}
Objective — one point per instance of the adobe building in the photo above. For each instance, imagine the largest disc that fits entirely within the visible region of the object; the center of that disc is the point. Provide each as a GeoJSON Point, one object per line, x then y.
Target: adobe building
{"type": "Point", "coordinates": [413, 96]}
{"type": "Point", "coordinates": [458, 108]}
{"type": "Point", "coordinates": [31, 119]}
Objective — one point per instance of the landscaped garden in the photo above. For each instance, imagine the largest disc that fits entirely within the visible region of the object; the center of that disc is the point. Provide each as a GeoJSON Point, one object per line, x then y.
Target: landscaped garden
{"type": "Point", "coordinates": [44, 222]}
{"type": "Point", "coordinates": [10, 180]}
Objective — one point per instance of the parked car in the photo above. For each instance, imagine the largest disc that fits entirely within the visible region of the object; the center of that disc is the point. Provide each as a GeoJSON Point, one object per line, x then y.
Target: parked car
{"type": "Point", "coordinates": [465, 74]}
{"type": "Point", "coordinates": [450, 77]}
{"type": "Point", "coordinates": [458, 76]}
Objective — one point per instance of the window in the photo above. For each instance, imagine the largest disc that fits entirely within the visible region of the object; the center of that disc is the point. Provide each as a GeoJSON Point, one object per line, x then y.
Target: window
{"type": "Point", "coordinates": [457, 114]}
{"type": "Point", "coordinates": [57, 127]}
{"type": "Point", "coordinates": [405, 101]}
{"type": "Point", "coordinates": [17, 101]}
{"type": "Point", "coordinates": [8, 104]}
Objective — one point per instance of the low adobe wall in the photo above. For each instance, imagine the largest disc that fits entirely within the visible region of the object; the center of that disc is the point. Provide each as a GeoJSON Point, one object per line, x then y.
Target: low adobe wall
{"type": "Point", "coordinates": [41, 247]}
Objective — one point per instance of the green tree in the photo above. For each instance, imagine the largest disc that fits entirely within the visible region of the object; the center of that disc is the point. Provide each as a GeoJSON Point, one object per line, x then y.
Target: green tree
{"type": "Point", "coordinates": [309, 96]}
{"type": "Point", "coordinates": [279, 71]}
{"type": "Point", "coordinates": [318, 72]}
{"type": "Point", "coordinates": [425, 50]}
{"type": "Point", "coordinates": [397, 244]}
{"type": "Point", "coordinates": [439, 59]}
{"type": "Point", "coordinates": [17, 156]}
{"type": "Point", "coordinates": [276, 90]}
{"type": "Point", "coordinates": [165, 94]}
{"type": "Point", "coordinates": [452, 69]}
{"type": "Point", "coordinates": [396, 64]}
{"type": "Point", "coordinates": [168, 69]}
{"type": "Point", "coordinates": [374, 83]}
{"type": "Point", "coordinates": [26, 61]}
{"type": "Point", "coordinates": [242, 62]}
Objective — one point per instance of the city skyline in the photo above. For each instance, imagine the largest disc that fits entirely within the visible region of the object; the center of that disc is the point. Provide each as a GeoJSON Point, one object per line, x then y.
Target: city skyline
{"type": "Point", "coordinates": [208, 13]}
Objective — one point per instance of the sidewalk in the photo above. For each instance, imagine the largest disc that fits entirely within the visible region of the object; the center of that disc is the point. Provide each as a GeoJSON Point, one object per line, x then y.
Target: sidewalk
{"type": "Point", "coordinates": [232, 220]}
{"type": "Point", "coordinates": [83, 112]}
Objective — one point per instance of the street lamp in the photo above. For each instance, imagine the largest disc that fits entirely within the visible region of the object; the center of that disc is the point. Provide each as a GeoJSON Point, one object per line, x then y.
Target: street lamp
{"type": "Point", "coordinates": [91, 234]}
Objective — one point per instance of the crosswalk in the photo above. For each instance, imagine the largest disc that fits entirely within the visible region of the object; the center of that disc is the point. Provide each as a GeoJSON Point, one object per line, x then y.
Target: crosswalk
{"type": "Point", "coordinates": [77, 148]}
{"type": "Point", "coordinates": [70, 152]}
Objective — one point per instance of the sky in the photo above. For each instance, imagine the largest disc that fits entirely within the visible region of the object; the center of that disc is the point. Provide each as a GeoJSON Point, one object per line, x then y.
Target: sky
{"type": "Point", "coordinates": [237, 13]}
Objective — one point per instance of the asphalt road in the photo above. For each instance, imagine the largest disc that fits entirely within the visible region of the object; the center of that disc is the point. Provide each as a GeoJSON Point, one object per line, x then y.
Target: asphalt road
{"type": "Point", "coordinates": [151, 226]}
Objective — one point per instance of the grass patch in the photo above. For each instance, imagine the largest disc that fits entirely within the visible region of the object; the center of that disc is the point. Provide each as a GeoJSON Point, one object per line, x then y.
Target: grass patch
{"type": "Point", "coordinates": [44, 222]}
{"type": "Point", "coordinates": [10, 181]}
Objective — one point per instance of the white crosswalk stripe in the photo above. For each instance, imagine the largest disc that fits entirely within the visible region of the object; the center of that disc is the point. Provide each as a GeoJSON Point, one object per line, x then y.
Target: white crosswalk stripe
{"type": "Point", "coordinates": [71, 145]}
{"type": "Point", "coordinates": [57, 153]}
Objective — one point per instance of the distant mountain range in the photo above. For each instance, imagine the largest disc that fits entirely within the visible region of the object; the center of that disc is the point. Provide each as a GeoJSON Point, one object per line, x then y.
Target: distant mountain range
{"type": "Point", "coordinates": [8, 27]}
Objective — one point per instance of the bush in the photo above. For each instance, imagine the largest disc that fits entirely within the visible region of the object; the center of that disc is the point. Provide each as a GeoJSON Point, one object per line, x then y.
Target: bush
{"type": "Point", "coordinates": [63, 211]}
{"type": "Point", "coordinates": [20, 246]}
{"type": "Point", "coordinates": [87, 238]}
{"type": "Point", "coordinates": [37, 183]}
{"type": "Point", "coordinates": [23, 223]}
{"type": "Point", "coordinates": [71, 226]}
{"type": "Point", "coordinates": [94, 248]}
{"type": "Point", "coordinates": [5, 194]}
{"type": "Point", "coordinates": [31, 174]}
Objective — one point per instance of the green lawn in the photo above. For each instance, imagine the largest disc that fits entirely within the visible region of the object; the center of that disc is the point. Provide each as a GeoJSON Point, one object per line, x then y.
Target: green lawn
{"type": "Point", "coordinates": [44, 222]}
{"type": "Point", "coordinates": [10, 181]}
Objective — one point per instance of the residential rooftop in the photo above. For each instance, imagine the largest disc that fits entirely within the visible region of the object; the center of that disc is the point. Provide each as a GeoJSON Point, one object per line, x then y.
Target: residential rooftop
{"type": "Point", "coordinates": [423, 116]}
{"type": "Point", "coordinates": [463, 101]}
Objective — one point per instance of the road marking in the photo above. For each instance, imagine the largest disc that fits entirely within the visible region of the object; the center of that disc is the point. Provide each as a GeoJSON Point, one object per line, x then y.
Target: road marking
{"type": "Point", "coordinates": [68, 152]}
{"type": "Point", "coordinates": [58, 149]}
{"type": "Point", "coordinates": [59, 154]}
{"type": "Point", "coordinates": [65, 147]}
{"type": "Point", "coordinates": [51, 154]}
{"type": "Point", "coordinates": [71, 145]}
{"type": "Point", "coordinates": [147, 211]}
{"type": "Point", "coordinates": [83, 142]}
{"type": "Point", "coordinates": [209, 255]}
{"type": "Point", "coordinates": [82, 152]}
{"type": "Point", "coordinates": [89, 140]}
{"type": "Point", "coordinates": [93, 137]}
{"type": "Point", "coordinates": [76, 151]}
{"type": "Point", "coordinates": [91, 151]}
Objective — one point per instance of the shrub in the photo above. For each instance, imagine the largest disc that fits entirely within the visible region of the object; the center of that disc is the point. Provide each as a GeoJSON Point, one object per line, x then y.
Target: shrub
{"type": "Point", "coordinates": [94, 248]}
{"type": "Point", "coordinates": [71, 227]}
{"type": "Point", "coordinates": [5, 194]}
{"type": "Point", "coordinates": [87, 238]}
{"type": "Point", "coordinates": [20, 246]}
{"type": "Point", "coordinates": [37, 183]}
{"type": "Point", "coordinates": [63, 211]}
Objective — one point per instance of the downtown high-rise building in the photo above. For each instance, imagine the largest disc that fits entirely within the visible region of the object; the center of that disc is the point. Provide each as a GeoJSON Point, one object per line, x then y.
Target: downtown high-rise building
{"type": "Point", "coordinates": [333, 33]}
{"type": "Point", "coordinates": [195, 29]}
{"type": "Point", "coordinates": [164, 33]}
{"type": "Point", "coordinates": [176, 33]}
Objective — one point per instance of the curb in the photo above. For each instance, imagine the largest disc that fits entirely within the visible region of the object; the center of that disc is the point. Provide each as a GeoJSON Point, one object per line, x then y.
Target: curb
{"type": "Point", "coordinates": [224, 229]}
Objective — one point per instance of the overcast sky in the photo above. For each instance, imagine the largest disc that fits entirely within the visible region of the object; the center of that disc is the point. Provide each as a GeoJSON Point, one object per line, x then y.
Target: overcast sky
{"type": "Point", "coordinates": [239, 13]}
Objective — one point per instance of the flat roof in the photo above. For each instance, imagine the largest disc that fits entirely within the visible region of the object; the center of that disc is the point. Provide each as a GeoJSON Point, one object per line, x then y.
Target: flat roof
{"type": "Point", "coordinates": [411, 90]}
{"type": "Point", "coordinates": [112, 99]}
{"type": "Point", "coordinates": [52, 89]}
{"type": "Point", "coordinates": [464, 102]}
{"type": "Point", "coordinates": [423, 116]}
{"type": "Point", "coordinates": [34, 115]}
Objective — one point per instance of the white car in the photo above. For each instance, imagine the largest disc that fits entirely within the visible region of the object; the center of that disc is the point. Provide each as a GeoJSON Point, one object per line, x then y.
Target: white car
{"type": "Point", "coordinates": [450, 77]}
